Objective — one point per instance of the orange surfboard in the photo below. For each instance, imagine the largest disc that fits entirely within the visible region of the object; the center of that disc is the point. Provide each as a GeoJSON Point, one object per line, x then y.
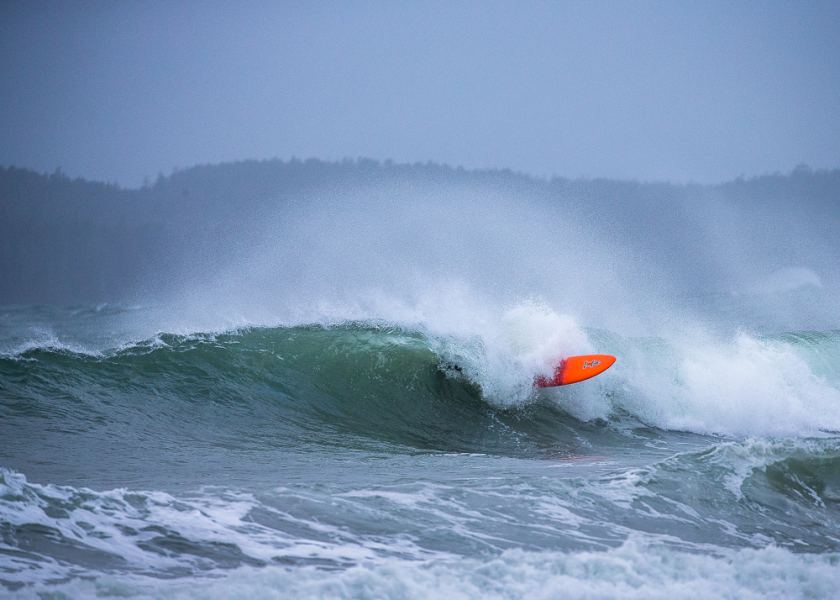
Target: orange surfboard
{"type": "Point", "coordinates": [577, 368]}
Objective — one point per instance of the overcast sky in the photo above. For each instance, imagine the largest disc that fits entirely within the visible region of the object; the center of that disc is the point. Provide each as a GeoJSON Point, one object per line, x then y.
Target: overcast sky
{"type": "Point", "coordinates": [700, 91]}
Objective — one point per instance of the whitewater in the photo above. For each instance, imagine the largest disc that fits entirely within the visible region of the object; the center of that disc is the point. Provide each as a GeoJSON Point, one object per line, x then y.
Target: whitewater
{"type": "Point", "coordinates": [343, 406]}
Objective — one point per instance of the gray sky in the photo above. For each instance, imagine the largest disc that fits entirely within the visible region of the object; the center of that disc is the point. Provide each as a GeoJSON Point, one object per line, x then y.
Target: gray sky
{"type": "Point", "coordinates": [699, 91]}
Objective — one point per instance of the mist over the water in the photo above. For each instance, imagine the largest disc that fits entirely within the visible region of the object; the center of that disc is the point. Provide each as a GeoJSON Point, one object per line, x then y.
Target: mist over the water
{"type": "Point", "coordinates": [276, 242]}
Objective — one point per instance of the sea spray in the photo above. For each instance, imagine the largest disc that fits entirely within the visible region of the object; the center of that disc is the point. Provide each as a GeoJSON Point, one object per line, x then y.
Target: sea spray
{"type": "Point", "coordinates": [329, 391]}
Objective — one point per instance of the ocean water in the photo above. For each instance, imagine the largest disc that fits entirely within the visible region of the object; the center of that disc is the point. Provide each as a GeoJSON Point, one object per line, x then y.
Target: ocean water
{"type": "Point", "coordinates": [350, 459]}
{"type": "Point", "coordinates": [346, 409]}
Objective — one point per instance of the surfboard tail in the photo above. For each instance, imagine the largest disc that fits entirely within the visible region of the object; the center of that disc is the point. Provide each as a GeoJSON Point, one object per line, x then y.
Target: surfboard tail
{"type": "Point", "coordinates": [577, 368]}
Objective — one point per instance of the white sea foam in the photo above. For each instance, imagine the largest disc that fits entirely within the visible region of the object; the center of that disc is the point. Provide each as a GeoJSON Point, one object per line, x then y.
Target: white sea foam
{"type": "Point", "coordinates": [745, 386]}
{"type": "Point", "coordinates": [504, 354]}
{"type": "Point", "coordinates": [127, 526]}
{"type": "Point", "coordinates": [741, 386]}
{"type": "Point", "coordinates": [635, 570]}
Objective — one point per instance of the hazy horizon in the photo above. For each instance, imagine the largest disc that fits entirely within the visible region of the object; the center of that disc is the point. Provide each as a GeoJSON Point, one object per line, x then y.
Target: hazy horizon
{"type": "Point", "coordinates": [649, 91]}
{"type": "Point", "coordinates": [149, 181]}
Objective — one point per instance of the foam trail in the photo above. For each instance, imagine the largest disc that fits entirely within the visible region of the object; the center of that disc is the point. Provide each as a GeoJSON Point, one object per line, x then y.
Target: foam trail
{"type": "Point", "coordinates": [636, 570]}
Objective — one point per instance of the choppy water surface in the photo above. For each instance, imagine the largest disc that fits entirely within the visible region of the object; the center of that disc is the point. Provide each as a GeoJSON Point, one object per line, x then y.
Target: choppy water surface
{"type": "Point", "coordinates": [350, 459]}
